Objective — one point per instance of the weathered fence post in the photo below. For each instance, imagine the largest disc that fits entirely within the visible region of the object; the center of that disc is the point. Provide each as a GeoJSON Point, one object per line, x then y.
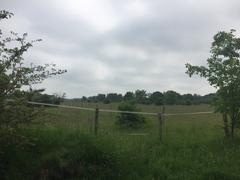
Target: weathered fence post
{"type": "Point", "coordinates": [164, 121]}
{"type": "Point", "coordinates": [160, 119]}
{"type": "Point", "coordinates": [96, 121]}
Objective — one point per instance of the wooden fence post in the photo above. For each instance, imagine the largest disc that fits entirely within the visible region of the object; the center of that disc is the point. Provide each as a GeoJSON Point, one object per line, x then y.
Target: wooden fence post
{"type": "Point", "coordinates": [160, 126]}
{"type": "Point", "coordinates": [96, 121]}
{"type": "Point", "coordinates": [164, 121]}
{"type": "Point", "coordinates": [161, 120]}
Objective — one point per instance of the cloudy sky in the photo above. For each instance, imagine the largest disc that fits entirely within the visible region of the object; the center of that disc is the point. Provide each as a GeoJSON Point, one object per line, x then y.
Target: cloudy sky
{"type": "Point", "coordinates": [122, 45]}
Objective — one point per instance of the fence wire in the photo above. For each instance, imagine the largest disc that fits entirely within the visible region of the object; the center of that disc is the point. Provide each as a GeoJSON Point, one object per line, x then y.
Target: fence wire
{"type": "Point", "coordinates": [90, 122]}
{"type": "Point", "coordinates": [117, 111]}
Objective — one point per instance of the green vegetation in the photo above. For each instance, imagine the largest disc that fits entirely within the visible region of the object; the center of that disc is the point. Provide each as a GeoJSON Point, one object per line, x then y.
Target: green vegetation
{"type": "Point", "coordinates": [143, 97]}
{"type": "Point", "coordinates": [60, 143]}
{"type": "Point", "coordinates": [64, 147]}
{"type": "Point", "coordinates": [16, 80]}
{"type": "Point", "coordinates": [45, 98]}
{"type": "Point", "coordinates": [129, 120]}
{"type": "Point", "coordinates": [223, 73]}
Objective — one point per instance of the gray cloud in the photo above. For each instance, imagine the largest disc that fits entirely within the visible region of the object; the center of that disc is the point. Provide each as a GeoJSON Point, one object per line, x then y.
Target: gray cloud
{"type": "Point", "coordinates": [115, 46]}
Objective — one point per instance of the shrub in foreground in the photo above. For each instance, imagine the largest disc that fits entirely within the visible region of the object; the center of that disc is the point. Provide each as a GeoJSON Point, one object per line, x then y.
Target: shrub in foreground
{"type": "Point", "coordinates": [60, 154]}
{"type": "Point", "coordinates": [88, 159]}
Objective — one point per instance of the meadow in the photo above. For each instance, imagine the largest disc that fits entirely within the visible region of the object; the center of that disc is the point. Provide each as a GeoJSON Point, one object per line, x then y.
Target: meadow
{"type": "Point", "coordinates": [65, 147]}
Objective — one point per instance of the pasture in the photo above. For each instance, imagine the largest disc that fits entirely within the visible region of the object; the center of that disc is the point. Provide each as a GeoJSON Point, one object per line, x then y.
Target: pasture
{"type": "Point", "coordinates": [175, 126]}
{"type": "Point", "coordinates": [65, 147]}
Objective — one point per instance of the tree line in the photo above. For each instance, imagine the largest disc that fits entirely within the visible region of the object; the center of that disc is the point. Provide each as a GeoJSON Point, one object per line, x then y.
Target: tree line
{"type": "Point", "coordinates": [143, 97]}
{"type": "Point", "coordinates": [39, 96]}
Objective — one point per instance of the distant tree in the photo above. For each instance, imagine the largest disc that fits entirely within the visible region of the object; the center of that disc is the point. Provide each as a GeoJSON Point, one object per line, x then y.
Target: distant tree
{"type": "Point", "coordinates": [209, 98]}
{"type": "Point", "coordinates": [187, 99]}
{"type": "Point", "coordinates": [84, 99]}
{"type": "Point", "coordinates": [129, 96]}
{"type": "Point", "coordinates": [197, 99]}
{"type": "Point", "coordinates": [57, 98]}
{"type": "Point", "coordinates": [38, 97]}
{"type": "Point", "coordinates": [92, 99]}
{"type": "Point", "coordinates": [141, 96]}
{"type": "Point", "coordinates": [114, 97]}
{"type": "Point", "coordinates": [101, 97]}
{"type": "Point", "coordinates": [223, 72]}
{"type": "Point", "coordinates": [171, 97]}
{"type": "Point", "coordinates": [157, 98]}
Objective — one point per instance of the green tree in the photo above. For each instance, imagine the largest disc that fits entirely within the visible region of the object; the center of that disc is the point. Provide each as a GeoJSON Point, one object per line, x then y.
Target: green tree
{"type": "Point", "coordinates": [101, 97]}
{"type": "Point", "coordinates": [171, 97]}
{"type": "Point", "coordinates": [129, 96]}
{"type": "Point", "coordinates": [187, 99]}
{"type": "Point", "coordinates": [15, 77]}
{"type": "Point", "coordinates": [223, 72]}
{"type": "Point", "coordinates": [84, 99]}
{"type": "Point", "coordinates": [114, 97]}
{"type": "Point", "coordinates": [157, 98]}
{"type": "Point", "coordinates": [141, 96]}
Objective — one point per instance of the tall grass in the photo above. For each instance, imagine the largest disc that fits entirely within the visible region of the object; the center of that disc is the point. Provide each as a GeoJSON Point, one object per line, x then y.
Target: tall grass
{"type": "Point", "coordinates": [65, 148]}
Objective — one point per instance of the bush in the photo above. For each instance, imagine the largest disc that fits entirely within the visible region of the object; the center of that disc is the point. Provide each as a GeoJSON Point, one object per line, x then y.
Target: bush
{"type": "Point", "coordinates": [129, 120]}
{"type": "Point", "coordinates": [61, 154]}
{"type": "Point", "coordinates": [87, 159]}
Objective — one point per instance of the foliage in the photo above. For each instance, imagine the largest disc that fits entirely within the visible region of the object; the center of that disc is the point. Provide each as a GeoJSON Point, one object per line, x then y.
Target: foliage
{"type": "Point", "coordinates": [129, 96]}
{"type": "Point", "coordinates": [101, 97]}
{"type": "Point", "coordinates": [223, 73]}
{"type": "Point", "coordinates": [194, 149]}
{"type": "Point", "coordinates": [157, 98]}
{"type": "Point", "coordinates": [16, 76]}
{"type": "Point", "coordinates": [114, 97]}
{"type": "Point", "coordinates": [89, 159]}
{"type": "Point", "coordinates": [188, 98]}
{"type": "Point", "coordinates": [56, 98]}
{"type": "Point", "coordinates": [129, 120]}
{"type": "Point", "coordinates": [59, 155]}
{"type": "Point", "coordinates": [171, 97]}
{"type": "Point", "coordinates": [143, 97]}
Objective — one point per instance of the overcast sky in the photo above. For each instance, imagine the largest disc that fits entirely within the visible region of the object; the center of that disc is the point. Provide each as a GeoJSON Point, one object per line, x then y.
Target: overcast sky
{"type": "Point", "coordinates": [122, 45]}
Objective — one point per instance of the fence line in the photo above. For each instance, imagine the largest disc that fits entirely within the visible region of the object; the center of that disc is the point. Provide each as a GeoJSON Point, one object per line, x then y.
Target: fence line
{"type": "Point", "coordinates": [61, 106]}
{"type": "Point", "coordinates": [194, 113]}
{"type": "Point", "coordinates": [127, 112]}
{"type": "Point", "coordinates": [160, 115]}
{"type": "Point", "coordinates": [117, 111]}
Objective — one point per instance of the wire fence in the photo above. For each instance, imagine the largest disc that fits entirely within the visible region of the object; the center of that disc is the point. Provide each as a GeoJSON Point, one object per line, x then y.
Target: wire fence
{"type": "Point", "coordinates": [117, 111]}
{"type": "Point", "coordinates": [161, 128]}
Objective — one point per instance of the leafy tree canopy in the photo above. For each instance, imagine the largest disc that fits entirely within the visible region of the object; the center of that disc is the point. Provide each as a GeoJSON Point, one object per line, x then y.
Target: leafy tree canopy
{"type": "Point", "coordinates": [223, 72]}
{"type": "Point", "coordinates": [16, 76]}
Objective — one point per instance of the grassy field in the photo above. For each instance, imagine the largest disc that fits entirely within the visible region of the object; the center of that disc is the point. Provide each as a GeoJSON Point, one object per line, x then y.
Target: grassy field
{"type": "Point", "coordinates": [184, 125]}
{"type": "Point", "coordinates": [65, 147]}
